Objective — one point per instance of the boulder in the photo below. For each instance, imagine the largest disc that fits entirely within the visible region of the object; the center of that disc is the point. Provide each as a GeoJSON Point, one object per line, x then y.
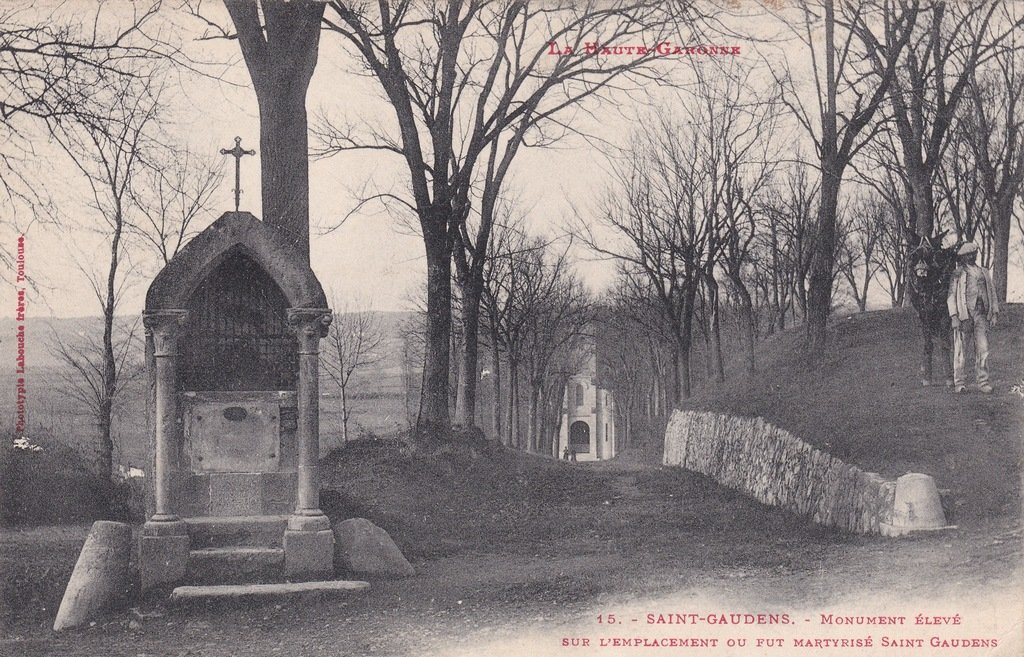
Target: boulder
{"type": "Point", "coordinates": [101, 577]}
{"type": "Point", "coordinates": [362, 547]}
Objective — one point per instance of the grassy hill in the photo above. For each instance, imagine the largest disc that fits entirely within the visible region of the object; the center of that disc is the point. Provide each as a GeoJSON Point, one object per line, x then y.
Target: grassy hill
{"type": "Point", "coordinates": [866, 405]}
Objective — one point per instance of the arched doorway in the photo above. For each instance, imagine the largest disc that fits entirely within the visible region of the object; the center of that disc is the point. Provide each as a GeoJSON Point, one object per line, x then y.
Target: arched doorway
{"type": "Point", "coordinates": [579, 437]}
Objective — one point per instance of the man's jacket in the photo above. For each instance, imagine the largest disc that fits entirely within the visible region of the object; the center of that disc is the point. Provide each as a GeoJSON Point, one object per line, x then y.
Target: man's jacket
{"type": "Point", "coordinates": [956, 301]}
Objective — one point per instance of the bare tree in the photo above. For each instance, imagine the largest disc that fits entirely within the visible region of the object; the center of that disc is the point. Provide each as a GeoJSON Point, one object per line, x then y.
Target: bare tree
{"type": "Point", "coordinates": [961, 203]}
{"type": "Point", "coordinates": [470, 83]}
{"type": "Point", "coordinates": [627, 365]}
{"type": "Point", "coordinates": [661, 216]}
{"type": "Point", "coordinates": [840, 76]}
{"type": "Point", "coordinates": [172, 197]}
{"type": "Point", "coordinates": [891, 250]}
{"type": "Point", "coordinates": [994, 121]}
{"type": "Point", "coordinates": [109, 152]}
{"type": "Point", "coordinates": [858, 259]}
{"type": "Point", "coordinates": [85, 375]}
{"type": "Point", "coordinates": [880, 169]}
{"type": "Point", "coordinates": [558, 310]}
{"type": "Point", "coordinates": [785, 244]}
{"type": "Point", "coordinates": [353, 343]}
{"type": "Point", "coordinates": [936, 66]}
{"type": "Point", "coordinates": [55, 63]}
{"type": "Point", "coordinates": [740, 132]}
{"type": "Point", "coordinates": [515, 286]}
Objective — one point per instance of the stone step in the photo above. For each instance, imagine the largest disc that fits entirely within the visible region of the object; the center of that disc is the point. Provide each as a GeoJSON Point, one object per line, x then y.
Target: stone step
{"type": "Point", "coordinates": [184, 593]}
{"type": "Point", "coordinates": [234, 565]}
{"type": "Point", "coordinates": [236, 531]}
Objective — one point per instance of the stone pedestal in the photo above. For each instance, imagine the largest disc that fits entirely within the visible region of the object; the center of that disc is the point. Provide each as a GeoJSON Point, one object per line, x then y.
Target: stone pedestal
{"type": "Point", "coordinates": [163, 553]}
{"type": "Point", "coordinates": [309, 554]}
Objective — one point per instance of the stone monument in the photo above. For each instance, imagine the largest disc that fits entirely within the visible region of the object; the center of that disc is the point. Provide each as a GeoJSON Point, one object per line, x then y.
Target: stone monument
{"type": "Point", "coordinates": [233, 325]}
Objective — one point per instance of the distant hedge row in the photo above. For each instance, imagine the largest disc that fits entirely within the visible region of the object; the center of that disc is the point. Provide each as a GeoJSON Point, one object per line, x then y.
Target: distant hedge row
{"type": "Point", "coordinates": [770, 464]}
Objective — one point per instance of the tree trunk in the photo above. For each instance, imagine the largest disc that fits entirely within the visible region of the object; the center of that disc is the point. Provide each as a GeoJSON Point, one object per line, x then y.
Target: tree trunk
{"type": "Point", "coordinates": [496, 375]}
{"type": "Point", "coordinates": [284, 163]}
{"type": "Point", "coordinates": [819, 298]}
{"type": "Point", "coordinates": [1001, 220]}
{"type": "Point", "coordinates": [746, 320]}
{"type": "Point", "coordinates": [533, 420]}
{"type": "Point", "coordinates": [344, 415]}
{"type": "Point", "coordinates": [280, 53]}
{"type": "Point", "coordinates": [109, 377]}
{"type": "Point", "coordinates": [715, 326]}
{"type": "Point", "coordinates": [454, 369]}
{"type": "Point", "coordinates": [862, 302]}
{"type": "Point", "coordinates": [434, 414]}
{"type": "Point", "coordinates": [922, 198]}
{"type": "Point", "coordinates": [682, 373]}
{"type": "Point", "coordinates": [105, 454]}
{"type": "Point", "coordinates": [684, 341]}
{"type": "Point", "coordinates": [465, 406]}
{"type": "Point", "coordinates": [514, 437]}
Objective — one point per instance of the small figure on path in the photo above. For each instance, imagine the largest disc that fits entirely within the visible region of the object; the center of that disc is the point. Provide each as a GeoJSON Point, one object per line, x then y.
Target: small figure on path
{"type": "Point", "coordinates": [565, 453]}
{"type": "Point", "coordinates": [973, 308]}
{"type": "Point", "coordinates": [572, 452]}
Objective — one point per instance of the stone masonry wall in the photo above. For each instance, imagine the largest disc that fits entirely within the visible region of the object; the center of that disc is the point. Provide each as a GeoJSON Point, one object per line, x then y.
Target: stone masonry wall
{"type": "Point", "coordinates": [776, 468]}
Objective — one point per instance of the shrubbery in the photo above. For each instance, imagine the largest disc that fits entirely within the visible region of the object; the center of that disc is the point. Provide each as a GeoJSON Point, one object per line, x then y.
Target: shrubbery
{"type": "Point", "coordinates": [55, 484]}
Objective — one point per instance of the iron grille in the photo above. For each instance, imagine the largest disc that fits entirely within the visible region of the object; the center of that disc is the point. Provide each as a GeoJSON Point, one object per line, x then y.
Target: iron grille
{"type": "Point", "coordinates": [236, 336]}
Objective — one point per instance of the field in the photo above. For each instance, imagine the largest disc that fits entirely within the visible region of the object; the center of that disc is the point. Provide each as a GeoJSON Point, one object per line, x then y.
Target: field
{"type": "Point", "coordinates": [513, 550]}
{"type": "Point", "coordinates": [377, 396]}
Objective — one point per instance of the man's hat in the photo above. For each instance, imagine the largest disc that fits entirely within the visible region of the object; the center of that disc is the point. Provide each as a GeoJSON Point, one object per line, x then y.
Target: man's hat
{"type": "Point", "coordinates": [967, 249]}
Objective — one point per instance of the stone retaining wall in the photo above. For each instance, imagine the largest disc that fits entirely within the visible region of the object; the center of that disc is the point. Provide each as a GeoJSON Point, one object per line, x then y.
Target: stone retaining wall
{"type": "Point", "coordinates": [759, 459]}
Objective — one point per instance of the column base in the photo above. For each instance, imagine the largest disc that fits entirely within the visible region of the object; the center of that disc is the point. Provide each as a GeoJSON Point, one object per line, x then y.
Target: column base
{"type": "Point", "coordinates": [309, 554]}
{"type": "Point", "coordinates": [163, 553]}
{"type": "Point", "coordinates": [308, 520]}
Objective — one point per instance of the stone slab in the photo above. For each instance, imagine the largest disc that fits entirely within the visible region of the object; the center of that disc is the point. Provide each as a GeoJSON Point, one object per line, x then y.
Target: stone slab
{"type": "Point", "coordinates": [278, 492]}
{"type": "Point", "coordinates": [308, 554]}
{"type": "Point", "coordinates": [235, 565]}
{"type": "Point", "coordinates": [236, 494]}
{"type": "Point", "coordinates": [252, 531]}
{"type": "Point", "coordinates": [238, 435]}
{"type": "Point", "coordinates": [190, 493]}
{"type": "Point", "coordinates": [183, 593]}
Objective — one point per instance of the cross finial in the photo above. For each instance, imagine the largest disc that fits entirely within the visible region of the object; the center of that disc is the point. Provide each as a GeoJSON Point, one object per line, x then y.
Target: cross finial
{"type": "Point", "coordinates": [237, 152]}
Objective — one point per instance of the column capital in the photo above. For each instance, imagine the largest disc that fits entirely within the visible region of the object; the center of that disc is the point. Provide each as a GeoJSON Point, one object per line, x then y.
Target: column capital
{"type": "Point", "coordinates": [163, 325]}
{"type": "Point", "coordinates": [309, 325]}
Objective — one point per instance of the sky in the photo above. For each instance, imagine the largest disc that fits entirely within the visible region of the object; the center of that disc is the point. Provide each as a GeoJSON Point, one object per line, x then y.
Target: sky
{"type": "Point", "coordinates": [370, 260]}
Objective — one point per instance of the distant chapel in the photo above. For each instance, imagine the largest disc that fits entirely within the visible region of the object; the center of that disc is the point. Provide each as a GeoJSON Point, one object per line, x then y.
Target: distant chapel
{"type": "Point", "coordinates": [587, 426]}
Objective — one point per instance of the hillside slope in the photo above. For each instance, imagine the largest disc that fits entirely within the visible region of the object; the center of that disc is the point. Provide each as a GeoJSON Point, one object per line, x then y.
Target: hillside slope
{"type": "Point", "coordinates": [866, 405]}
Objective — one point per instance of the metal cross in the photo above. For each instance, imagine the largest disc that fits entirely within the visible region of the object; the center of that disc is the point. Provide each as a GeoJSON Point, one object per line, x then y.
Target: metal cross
{"type": "Point", "coordinates": [237, 152]}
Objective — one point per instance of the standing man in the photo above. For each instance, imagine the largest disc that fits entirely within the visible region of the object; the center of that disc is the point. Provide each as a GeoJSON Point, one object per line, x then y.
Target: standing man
{"type": "Point", "coordinates": [973, 308]}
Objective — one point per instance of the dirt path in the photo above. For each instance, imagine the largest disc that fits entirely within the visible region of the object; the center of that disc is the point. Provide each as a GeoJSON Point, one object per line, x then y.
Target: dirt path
{"type": "Point", "coordinates": [634, 539]}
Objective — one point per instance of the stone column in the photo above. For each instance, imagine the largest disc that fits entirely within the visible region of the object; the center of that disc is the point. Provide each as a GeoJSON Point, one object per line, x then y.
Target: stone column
{"type": "Point", "coordinates": [164, 548]}
{"type": "Point", "coordinates": [308, 541]}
